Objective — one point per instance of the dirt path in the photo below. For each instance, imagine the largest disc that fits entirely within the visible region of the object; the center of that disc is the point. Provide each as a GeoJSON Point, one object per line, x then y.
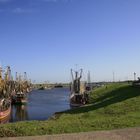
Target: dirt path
{"type": "Point", "coordinates": [122, 134]}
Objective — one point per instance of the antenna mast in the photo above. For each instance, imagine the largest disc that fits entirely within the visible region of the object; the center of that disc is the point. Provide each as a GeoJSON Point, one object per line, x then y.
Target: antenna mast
{"type": "Point", "coordinates": [89, 80]}
{"type": "Point", "coordinates": [134, 76]}
{"type": "Point", "coordinates": [8, 74]}
{"type": "Point", "coordinates": [25, 76]}
{"type": "Point", "coordinates": [0, 73]}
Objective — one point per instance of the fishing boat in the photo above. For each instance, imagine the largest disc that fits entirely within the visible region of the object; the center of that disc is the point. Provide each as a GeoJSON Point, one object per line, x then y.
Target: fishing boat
{"type": "Point", "coordinates": [136, 83]}
{"type": "Point", "coordinates": [5, 110]}
{"type": "Point", "coordinates": [19, 95]}
{"type": "Point", "coordinates": [78, 93]}
{"type": "Point", "coordinates": [5, 103]}
{"type": "Point", "coordinates": [19, 98]}
{"type": "Point", "coordinates": [11, 92]}
{"type": "Point", "coordinates": [41, 88]}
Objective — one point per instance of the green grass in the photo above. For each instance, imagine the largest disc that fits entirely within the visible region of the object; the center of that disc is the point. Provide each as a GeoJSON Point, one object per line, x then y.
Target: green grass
{"type": "Point", "coordinates": [112, 107]}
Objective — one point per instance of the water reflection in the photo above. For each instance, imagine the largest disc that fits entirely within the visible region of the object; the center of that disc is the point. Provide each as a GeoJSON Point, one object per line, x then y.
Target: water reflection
{"type": "Point", "coordinates": [19, 113]}
{"type": "Point", "coordinates": [41, 105]}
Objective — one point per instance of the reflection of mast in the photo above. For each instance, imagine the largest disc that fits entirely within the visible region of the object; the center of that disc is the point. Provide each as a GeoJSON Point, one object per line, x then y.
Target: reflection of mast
{"type": "Point", "coordinates": [21, 113]}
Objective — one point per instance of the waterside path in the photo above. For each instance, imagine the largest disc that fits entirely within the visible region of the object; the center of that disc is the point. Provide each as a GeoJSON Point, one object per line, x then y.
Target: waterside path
{"type": "Point", "coordinates": [121, 134]}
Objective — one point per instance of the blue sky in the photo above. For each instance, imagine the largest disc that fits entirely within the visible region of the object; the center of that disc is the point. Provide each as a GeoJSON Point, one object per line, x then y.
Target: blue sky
{"type": "Point", "coordinates": [46, 38]}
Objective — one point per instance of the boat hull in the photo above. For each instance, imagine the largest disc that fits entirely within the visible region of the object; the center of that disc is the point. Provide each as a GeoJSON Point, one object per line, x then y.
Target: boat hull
{"type": "Point", "coordinates": [5, 115]}
{"type": "Point", "coordinates": [19, 101]}
{"type": "Point", "coordinates": [75, 104]}
{"type": "Point", "coordinates": [77, 100]}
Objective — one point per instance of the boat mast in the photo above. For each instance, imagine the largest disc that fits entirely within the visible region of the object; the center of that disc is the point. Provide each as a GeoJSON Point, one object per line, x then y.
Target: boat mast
{"type": "Point", "coordinates": [89, 80]}
{"type": "Point", "coordinates": [72, 75]}
{"type": "Point", "coordinates": [8, 74]}
{"type": "Point", "coordinates": [0, 73]}
{"type": "Point", "coordinates": [16, 77]}
{"type": "Point", "coordinates": [77, 81]}
{"type": "Point", "coordinates": [25, 76]}
{"type": "Point", "coordinates": [1, 81]}
{"type": "Point", "coordinates": [81, 71]}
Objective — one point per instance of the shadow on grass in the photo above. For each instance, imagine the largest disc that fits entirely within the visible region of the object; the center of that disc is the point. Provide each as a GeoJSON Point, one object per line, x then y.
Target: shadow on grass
{"type": "Point", "coordinates": [109, 98]}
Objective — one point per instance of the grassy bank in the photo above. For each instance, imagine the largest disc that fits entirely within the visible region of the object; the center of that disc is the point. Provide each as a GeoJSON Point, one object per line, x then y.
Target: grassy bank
{"type": "Point", "coordinates": [111, 107]}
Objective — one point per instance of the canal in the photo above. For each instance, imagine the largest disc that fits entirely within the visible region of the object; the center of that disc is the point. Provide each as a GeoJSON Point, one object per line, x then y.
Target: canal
{"type": "Point", "coordinates": [41, 105]}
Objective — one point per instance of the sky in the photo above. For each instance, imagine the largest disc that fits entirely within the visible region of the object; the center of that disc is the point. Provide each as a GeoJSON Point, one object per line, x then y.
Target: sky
{"type": "Point", "coordinates": [46, 38]}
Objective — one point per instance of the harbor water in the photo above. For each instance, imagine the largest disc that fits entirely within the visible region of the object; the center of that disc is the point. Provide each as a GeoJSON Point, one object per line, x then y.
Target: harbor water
{"type": "Point", "coordinates": [41, 105]}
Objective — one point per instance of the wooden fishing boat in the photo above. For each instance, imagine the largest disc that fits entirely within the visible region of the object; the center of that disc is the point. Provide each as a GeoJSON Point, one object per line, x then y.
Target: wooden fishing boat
{"type": "Point", "coordinates": [5, 102]}
{"type": "Point", "coordinates": [78, 93]}
{"type": "Point", "coordinates": [77, 100]}
{"type": "Point", "coordinates": [5, 110]}
{"type": "Point", "coordinates": [136, 83]}
{"type": "Point", "coordinates": [19, 98]}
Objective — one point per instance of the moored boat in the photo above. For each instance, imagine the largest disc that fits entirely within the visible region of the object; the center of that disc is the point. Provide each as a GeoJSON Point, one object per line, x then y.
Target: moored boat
{"type": "Point", "coordinates": [78, 93]}
{"type": "Point", "coordinates": [19, 98]}
{"type": "Point", "coordinates": [136, 83]}
{"type": "Point", "coordinates": [5, 110]}
{"type": "Point", "coordinates": [5, 103]}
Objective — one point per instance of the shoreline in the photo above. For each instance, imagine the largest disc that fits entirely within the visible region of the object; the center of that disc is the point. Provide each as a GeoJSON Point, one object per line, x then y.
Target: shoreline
{"type": "Point", "coordinates": [109, 109]}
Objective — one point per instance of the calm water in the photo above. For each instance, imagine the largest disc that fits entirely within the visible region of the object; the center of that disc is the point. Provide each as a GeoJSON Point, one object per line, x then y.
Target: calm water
{"type": "Point", "coordinates": [41, 105]}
